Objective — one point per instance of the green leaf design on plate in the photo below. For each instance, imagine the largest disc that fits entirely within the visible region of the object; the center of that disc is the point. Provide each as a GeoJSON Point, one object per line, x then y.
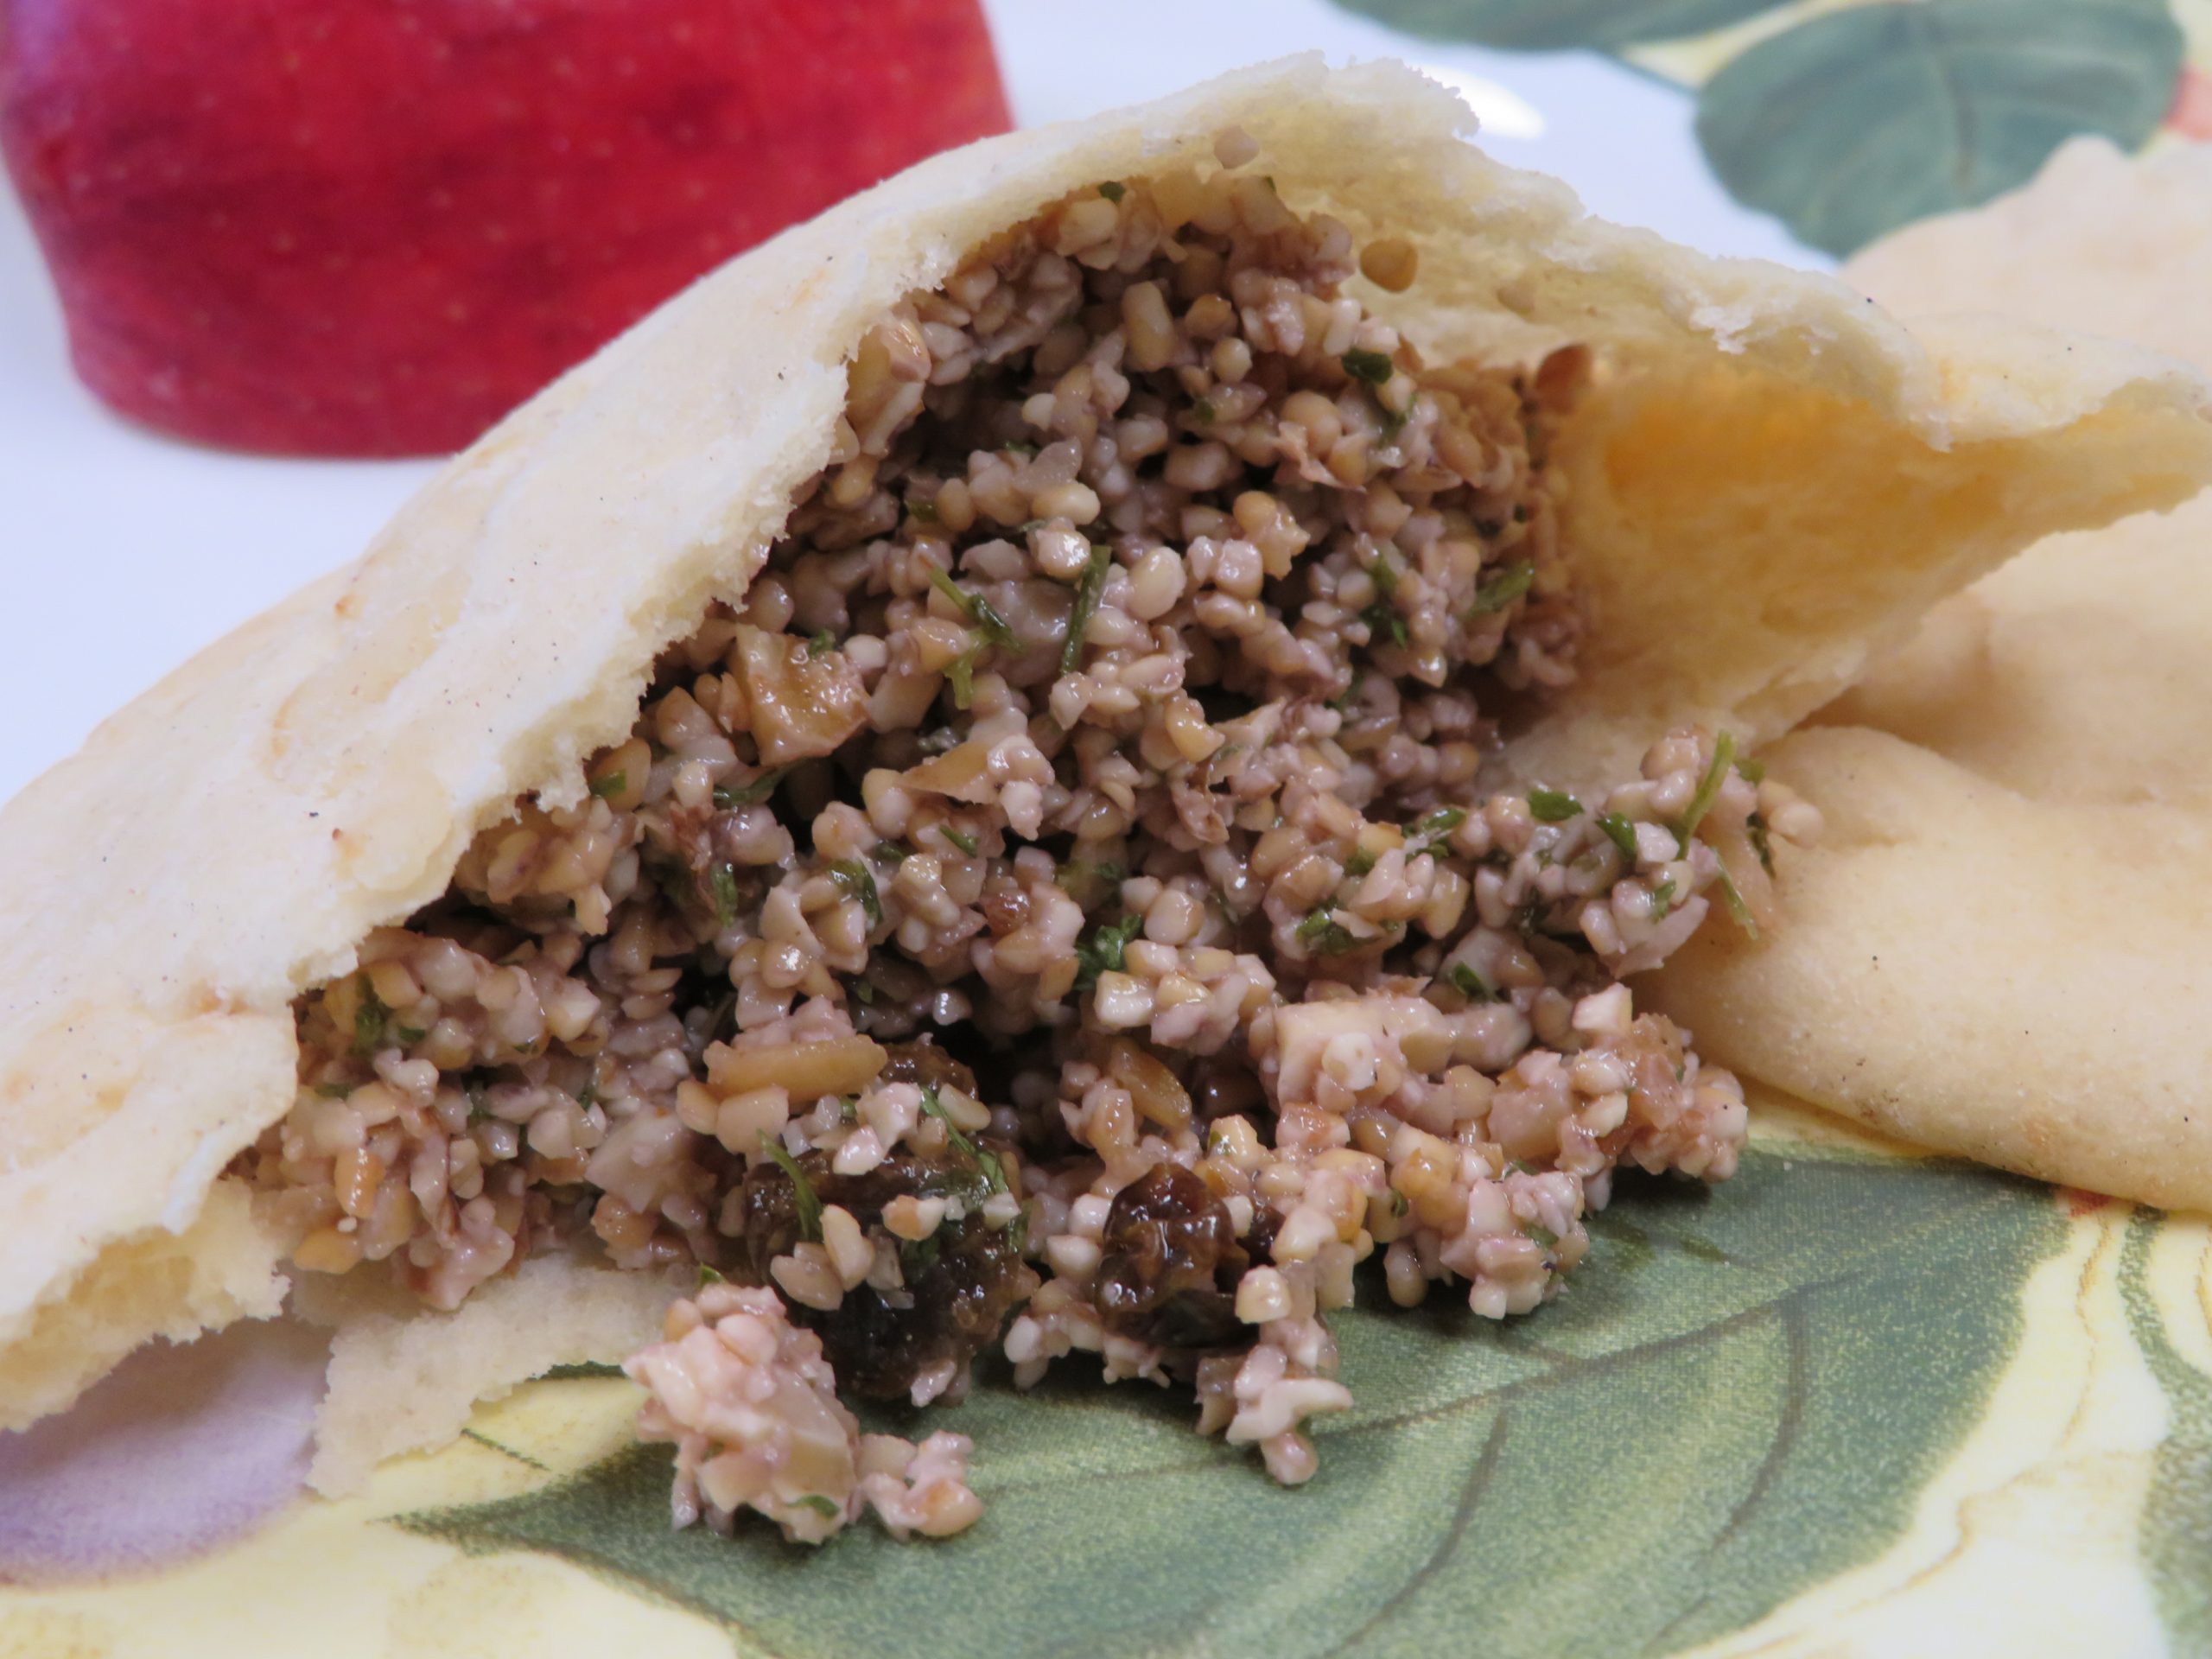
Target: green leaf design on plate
{"type": "Point", "coordinates": [1739, 1396]}
{"type": "Point", "coordinates": [1557, 25]}
{"type": "Point", "coordinates": [2176, 1528]}
{"type": "Point", "coordinates": [1854, 122]}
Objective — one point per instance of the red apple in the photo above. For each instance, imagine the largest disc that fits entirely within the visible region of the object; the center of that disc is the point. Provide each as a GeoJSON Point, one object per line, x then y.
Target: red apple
{"type": "Point", "coordinates": [371, 227]}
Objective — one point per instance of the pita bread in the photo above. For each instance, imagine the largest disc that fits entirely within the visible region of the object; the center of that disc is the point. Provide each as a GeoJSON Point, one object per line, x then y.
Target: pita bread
{"type": "Point", "coordinates": [1771, 480]}
{"type": "Point", "coordinates": [1998, 948]}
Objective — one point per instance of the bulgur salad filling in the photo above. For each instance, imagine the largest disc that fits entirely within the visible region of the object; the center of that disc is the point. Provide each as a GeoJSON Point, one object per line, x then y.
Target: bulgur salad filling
{"type": "Point", "coordinates": [1061, 909]}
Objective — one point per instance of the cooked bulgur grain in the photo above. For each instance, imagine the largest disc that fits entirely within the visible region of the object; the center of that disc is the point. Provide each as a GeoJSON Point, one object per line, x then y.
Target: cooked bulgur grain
{"type": "Point", "coordinates": [1063, 908]}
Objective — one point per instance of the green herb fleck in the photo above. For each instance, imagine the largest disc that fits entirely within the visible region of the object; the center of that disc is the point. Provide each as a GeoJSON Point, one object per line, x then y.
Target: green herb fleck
{"type": "Point", "coordinates": [614, 784]}
{"type": "Point", "coordinates": [1019, 447]}
{"type": "Point", "coordinates": [1502, 589]}
{"type": "Point", "coordinates": [921, 510]}
{"type": "Point", "coordinates": [1543, 1235]}
{"type": "Point", "coordinates": [1324, 935]}
{"type": "Point", "coordinates": [917, 1256]}
{"type": "Point", "coordinates": [960, 839]}
{"type": "Point", "coordinates": [1106, 951]}
{"type": "Point", "coordinates": [865, 992]}
{"type": "Point", "coordinates": [1762, 841]}
{"type": "Point", "coordinates": [820, 1504]}
{"type": "Point", "coordinates": [1373, 367]}
{"type": "Point", "coordinates": [1752, 771]}
{"type": "Point", "coordinates": [977, 609]}
{"type": "Point", "coordinates": [1708, 789]}
{"type": "Point", "coordinates": [1432, 826]}
{"type": "Point", "coordinates": [856, 881]}
{"type": "Point", "coordinates": [1516, 1167]}
{"type": "Point", "coordinates": [1469, 983]}
{"type": "Point", "coordinates": [334, 1090]}
{"type": "Point", "coordinates": [1663, 899]}
{"type": "Point", "coordinates": [810, 1206]}
{"type": "Point", "coordinates": [751, 794]}
{"type": "Point", "coordinates": [982, 1157]}
{"type": "Point", "coordinates": [1738, 910]}
{"type": "Point", "coordinates": [848, 1110]}
{"type": "Point", "coordinates": [1400, 1204]}
{"type": "Point", "coordinates": [1552, 806]}
{"type": "Point", "coordinates": [821, 644]}
{"type": "Point", "coordinates": [1205, 412]}
{"type": "Point", "coordinates": [1382, 617]}
{"type": "Point", "coordinates": [1620, 832]}
{"type": "Point", "coordinates": [889, 851]}
{"type": "Point", "coordinates": [368, 1021]}
{"type": "Point", "coordinates": [409, 1033]}
{"type": "Point", "coordinates": [1360, 863]}
{"type": "Point", "coordinates": [1385, 575]}
{"type": "Point", "coordinates": [1113, 189]}
{"type": "Point", "coordinates": [960, 675]}
{"type": "Point", "coordinates": [1344, 700]}
{"type": "Point", "coordinates": [587, 1096]}
{"type": "Point", "coordinates": [708, 1276]}
{"type": "Point", "coordinates": [725, 884]}
{"type": "Point", "coordinates": [1086, 604]}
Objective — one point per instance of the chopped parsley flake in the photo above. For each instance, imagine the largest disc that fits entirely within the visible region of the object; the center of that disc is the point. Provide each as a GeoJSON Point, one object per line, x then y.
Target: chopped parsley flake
{"type": "Point", "coordinates": [1344, 699]}
{"type": "Point", "coordinates": [960, 839]}
{"type": "Point", "coordinates": [1086, 604]}
{"type": "Point", "coordinates": [1762, 841]}
{"type": "Point", "coordinates": [1708, 789]}
{"type": "Point", "coordinates": [922, 511]}
{"type": "Point", "coordinates": [977, 609]}
{"type": "Point", "coordinates": [960, 674]}
{"type": "Point", "coordinates": [1400, 1204]}
{"type": "Point", "coordinates": [1738, 911]}
{"type": "Point", "coordinates": [1502, 589]}
{"type": "Point", "coordinates": [614, 784]}
{"type": "Point", "coordinates": [334, 1090]}
{"type": "Point", "coordinates": [821, 644]}
{"type": "Point", "coordinates": [854, 879]}
{"type": "Point", "coordinates": [725, 884]}
{"type": "Point", "coordinates": [1373, 367]}
{"type": "Point", "coordinates": [1620, 832]}
{"type": "Point", "coordinates": [751, 794]}
{"type": "Point", "coordinates": [889, 851]}
{"type": "Point", "coordinates": [1432, 826]}
{"type": "Point", "coordinates": [1382, 618]}
{"type": "Point", "coordinates": [708, 1276]}
{"type": "Point", "coordinates": [1326, 936]}
{"type": "Point", "coordinates": [1105, 951]}
{"type": "Point", "coordinates": [1360, 863]}
{"type": "Point", "coordinates": [1543, 1235]}
{"type": "Point", "coordinates": [1663, 899]}
{"type": "Point", "coordinates": [824, 1507]}
{"type": "Point", "coordinates": [1469, 983]}
{"type": "Point", "coordinates": [1752, 771]}
{"type": "Point", "coordinates": [368, 1021]}
{"type": "Point", "coordinates": [810, 1206]}
{"type": "Point", "coordinates": [1553, 806]}
{"type": "Point", "coordinates": [1203, 410]}
{"type": "Point", "coordinates": [865, 992]}
{"type": "Point", "coordinates": [982, 1157]}
{"type": "Point", "coordinates": [1113, 189]}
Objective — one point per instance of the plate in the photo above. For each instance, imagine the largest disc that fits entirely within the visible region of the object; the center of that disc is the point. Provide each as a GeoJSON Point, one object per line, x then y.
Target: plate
{"type": "Point", "coordinates": [1855, 1401]}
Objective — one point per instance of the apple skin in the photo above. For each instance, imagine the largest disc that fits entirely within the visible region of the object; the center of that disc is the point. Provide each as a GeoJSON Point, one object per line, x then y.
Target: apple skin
{"type": "Point", "coordinates": [371, 227]}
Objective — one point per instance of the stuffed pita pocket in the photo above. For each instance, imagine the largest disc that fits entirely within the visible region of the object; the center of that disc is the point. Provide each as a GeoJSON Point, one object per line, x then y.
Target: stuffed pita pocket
{"type": "Point", "coordinates": [1162, 641]}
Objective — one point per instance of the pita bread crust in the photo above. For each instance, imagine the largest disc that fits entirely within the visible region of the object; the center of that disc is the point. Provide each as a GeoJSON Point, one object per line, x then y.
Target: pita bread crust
{"type": "Point", "coordinates": [1998, 948]}
{"type": "Point", "coordinates": [223, 843]}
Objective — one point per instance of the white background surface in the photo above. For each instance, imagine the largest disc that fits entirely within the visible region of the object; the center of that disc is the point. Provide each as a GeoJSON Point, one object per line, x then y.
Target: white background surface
{"type": "Point", "coordinates": [122, 553]}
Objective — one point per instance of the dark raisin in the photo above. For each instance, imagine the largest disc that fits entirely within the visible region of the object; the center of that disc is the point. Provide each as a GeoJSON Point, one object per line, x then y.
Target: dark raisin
{"type": "Point", "coordinates": [925, 1064]}
{"type": "Point", "coordinates": [1171, 1262]}
{"type": "Point", "coordinates": [964, 1281]}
